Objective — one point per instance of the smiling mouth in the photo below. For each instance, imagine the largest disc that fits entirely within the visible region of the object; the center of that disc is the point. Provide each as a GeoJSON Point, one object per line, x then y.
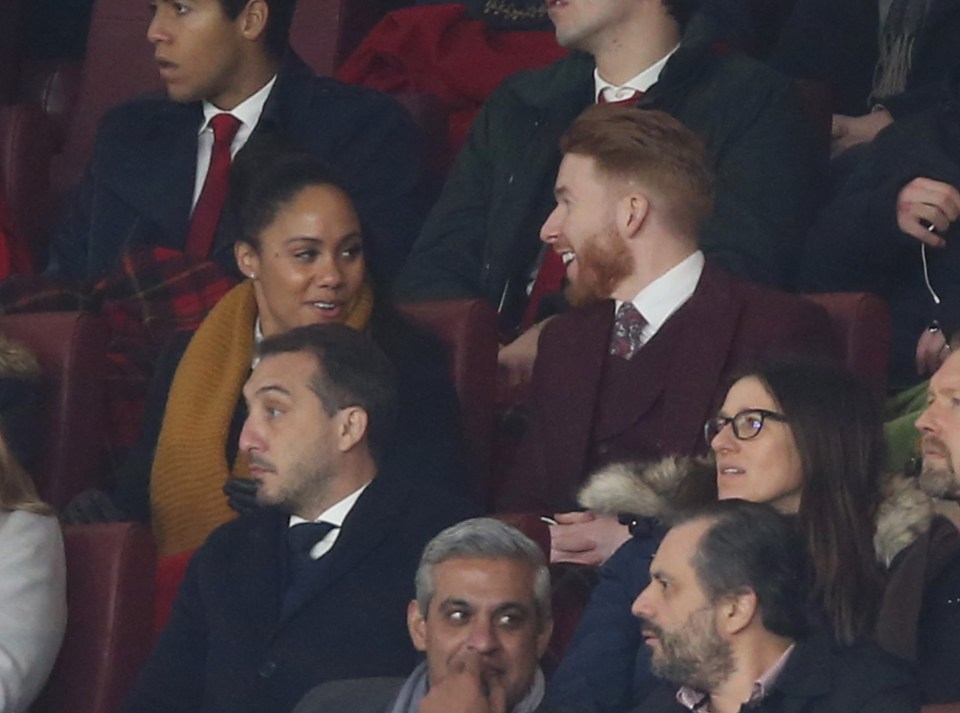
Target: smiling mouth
{"type": "Point", "coordinates": [729, 470]}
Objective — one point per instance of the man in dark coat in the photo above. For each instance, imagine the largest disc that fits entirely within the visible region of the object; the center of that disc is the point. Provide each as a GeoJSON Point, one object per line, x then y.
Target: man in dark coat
{"type": "Point", "coordinates": [636, 371]}
{"type": "Point", "coordinates": [725, 618]}
{"type": "Point", "coordinates": [151, 157]}
{"type": "Point", "coordinates": [480, 238]}
{"type": "Point", "coordinates": [314, 587]}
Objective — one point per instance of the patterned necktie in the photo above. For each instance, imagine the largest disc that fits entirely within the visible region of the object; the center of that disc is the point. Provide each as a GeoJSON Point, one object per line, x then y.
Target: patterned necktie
{"type": "Point", "coordinates": [626, 341]}
{"type": "Point", "coordinates": [206, 214]}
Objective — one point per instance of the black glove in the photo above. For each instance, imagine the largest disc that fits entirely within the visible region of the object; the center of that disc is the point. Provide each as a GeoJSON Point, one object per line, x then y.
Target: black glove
{"type": "Point", "coordinates": [241, 494]}
{"type": "Point", "coordinates": [93, 506]}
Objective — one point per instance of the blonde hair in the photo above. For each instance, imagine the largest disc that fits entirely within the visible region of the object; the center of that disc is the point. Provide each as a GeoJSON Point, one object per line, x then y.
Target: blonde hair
{"type": "Point", "coordinates": [17, 491]}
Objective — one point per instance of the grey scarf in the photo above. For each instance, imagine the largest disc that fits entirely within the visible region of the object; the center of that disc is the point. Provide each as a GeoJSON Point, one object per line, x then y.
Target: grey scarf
{"type": "Point", "coordinates": [415, 688]}
{"type": "Point", "coordinates": [900, 24]}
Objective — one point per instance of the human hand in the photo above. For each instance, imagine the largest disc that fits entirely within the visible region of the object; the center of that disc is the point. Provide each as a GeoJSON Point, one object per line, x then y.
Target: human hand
{"type": "Point", "coordinates": [932, 349]}
{"type": "Point", "coordinates": [585, 537]}
{"type": "Point", "coordinates": [241, 494]}
{"type": "Point", "coordinates": [466, 688]}
{"type": "Point", "coordinates": [515, 360]}
{"type": "Point", "coordinates": [847, 131]}
{"type": "Point", "coordinates": [926, 208]}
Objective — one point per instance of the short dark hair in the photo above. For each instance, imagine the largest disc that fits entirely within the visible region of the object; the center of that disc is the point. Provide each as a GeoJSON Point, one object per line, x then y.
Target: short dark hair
{"type": "Point", "coordinates": [751, 546]}
{"type": "Point", "coordinates": [682, 10]}
{"type": "Point", "coordinates": [278, 22]}
{"type": "Point", "coordinates": [837, 424]}
{"type": "Point", "coordinates": [268, 173]}
{"type": "Point", "coordinates": [351, 371]}
{"type": "Point", "coordinates": [653, 148]}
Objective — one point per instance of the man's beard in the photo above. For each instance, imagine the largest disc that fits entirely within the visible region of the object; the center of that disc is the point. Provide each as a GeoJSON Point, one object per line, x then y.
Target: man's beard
{"type": "Point", "coordinates": [939, 481]}
{"type": "Point", "coordinates": [695, 655]}
{"type": "Point", "coordinates": [602, 264]}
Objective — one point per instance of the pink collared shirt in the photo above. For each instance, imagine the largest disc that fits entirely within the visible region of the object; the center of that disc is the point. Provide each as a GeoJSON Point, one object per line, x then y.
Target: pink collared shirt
{"type": "Point", "coordinates": [700, 702]}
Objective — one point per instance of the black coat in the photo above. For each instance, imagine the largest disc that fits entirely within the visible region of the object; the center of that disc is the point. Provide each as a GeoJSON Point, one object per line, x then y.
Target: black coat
{"type": "Point", "coordinates": [821, 677]}
{"type": "Point", "coordinates": [835, 41]}
{"type": "Point", "coordinates": [138, 187]}
{"type": "Point", "coordinates": [227, 649]}
{"type": "Point", "coordinates": [855, 243]}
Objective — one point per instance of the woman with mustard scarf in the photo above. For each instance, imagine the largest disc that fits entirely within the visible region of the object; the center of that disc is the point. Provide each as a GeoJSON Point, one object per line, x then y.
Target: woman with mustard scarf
{"type": "Point", "coordinates": [301, 251]}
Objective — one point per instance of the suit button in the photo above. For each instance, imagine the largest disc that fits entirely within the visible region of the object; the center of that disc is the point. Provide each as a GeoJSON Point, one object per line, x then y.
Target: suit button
{"type": "Point", "coordinates": [267, 669]}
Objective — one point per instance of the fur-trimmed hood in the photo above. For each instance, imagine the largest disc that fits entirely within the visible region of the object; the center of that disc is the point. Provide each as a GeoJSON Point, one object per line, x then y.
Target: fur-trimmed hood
{"type": "Point", "coordinates": [904, 514]}
{"type": "Point", "coordinates": [647, 489]}
{"type": "Point", "coordinates": [659, 489]}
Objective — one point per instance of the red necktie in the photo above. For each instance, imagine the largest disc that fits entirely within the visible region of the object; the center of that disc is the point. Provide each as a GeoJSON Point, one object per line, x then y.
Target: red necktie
{"type": "Point", "coordinates": [549, 281]}
{"type": "Point", "coordinates": [206, 214]}
{"type": "Point", "coordinates": [632, 99]}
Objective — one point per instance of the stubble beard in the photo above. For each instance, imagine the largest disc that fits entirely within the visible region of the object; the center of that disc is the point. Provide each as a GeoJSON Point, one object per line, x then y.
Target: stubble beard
{"type": "Point", "coordinates": [939, 481]}
{"type": "Point", "coordinates": [695, 655]}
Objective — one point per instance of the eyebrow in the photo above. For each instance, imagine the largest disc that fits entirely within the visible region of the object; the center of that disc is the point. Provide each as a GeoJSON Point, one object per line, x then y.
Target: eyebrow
{"type": "Point", "coordinates": [272, 388]}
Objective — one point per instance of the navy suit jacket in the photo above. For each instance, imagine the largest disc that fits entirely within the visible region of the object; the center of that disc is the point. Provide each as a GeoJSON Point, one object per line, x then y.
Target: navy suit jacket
{"type": "Point", "coordinates": [227, 649]}
{"type": "Point", "coordinates": [725, 324]}
{"type": "Point", "coordinates": [138, 188]}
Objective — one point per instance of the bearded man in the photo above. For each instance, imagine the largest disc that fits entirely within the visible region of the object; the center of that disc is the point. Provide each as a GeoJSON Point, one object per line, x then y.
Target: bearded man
{"type": "Point", "coordinates": [726, 618]}
{"type": "Point", "coordinates": [918, 540]}
{"type": "Point", "coordinates": [637, 368]}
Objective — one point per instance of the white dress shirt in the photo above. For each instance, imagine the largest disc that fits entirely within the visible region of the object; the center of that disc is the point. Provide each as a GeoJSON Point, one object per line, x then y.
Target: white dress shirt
{"type": "Point", "coordinates": [335, 515]}
{"type": "Point", "coordinates": [248, 112]}
{"type": "Point", "coordinates": [641, 83]}
{"type": "Point", "coordinates": [665, 295]}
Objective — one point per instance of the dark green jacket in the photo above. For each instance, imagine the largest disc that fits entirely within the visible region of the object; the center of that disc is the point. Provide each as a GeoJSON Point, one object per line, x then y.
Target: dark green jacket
{"type": "Point", "coordinates": [482, 236]}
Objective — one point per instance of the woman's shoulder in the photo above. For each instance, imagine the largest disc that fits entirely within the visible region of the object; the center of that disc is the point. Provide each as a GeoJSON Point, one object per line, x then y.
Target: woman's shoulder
{"type": "Point", "coordinates": [28, 527]}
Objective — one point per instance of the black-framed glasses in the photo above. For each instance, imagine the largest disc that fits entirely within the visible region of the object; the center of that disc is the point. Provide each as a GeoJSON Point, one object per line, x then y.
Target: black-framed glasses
{"type": "Point", "coordinates": [746, 424]}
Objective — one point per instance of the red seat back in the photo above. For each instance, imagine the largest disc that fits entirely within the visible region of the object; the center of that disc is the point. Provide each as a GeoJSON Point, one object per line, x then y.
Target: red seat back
{"type": "Point", "coordinates": [110, 573]}
{"type": "Point", "coordinates": [861, 328]}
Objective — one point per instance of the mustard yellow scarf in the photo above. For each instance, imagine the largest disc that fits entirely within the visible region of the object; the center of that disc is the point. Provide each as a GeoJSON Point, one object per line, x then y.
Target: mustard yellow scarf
{"type": "Point", "coordinates": [190, 465]}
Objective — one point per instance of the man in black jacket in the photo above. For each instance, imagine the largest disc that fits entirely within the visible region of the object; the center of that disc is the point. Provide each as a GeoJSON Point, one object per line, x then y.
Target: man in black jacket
{"type": "Point", "coordinates": [149, 169]}
{"type": "Point", "coordinates": [314, 587]}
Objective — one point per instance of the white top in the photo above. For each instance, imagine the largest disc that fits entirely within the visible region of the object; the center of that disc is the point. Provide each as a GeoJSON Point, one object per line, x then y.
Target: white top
{"type": "Point", "coordinates": [661, 298]}
{"type": "Point", "coordinates": [33, 605]}
{"type": "Point", "coordinates": [248, 112]}
{"type": "Point", "coordinates": [641, 83]}
{"type": "Point", "coordinates": [335, 515]}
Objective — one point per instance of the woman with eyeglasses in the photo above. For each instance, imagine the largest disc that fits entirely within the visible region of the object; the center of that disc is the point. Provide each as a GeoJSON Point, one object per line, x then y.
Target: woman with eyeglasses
{"type": "Point", "coordinates": [801, 436]}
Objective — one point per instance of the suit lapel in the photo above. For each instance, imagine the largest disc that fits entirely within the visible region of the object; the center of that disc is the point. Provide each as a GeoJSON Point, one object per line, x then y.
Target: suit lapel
{"type": "Point", "coordinates": [370, 521]}
{"type": "Point", "coordinates": [569, 387]}
{"type": "Point", "coordinates": [683, 364]}
{"type": "Point", "coordinates": [160, 185]}
{"type": "Point", "coordinates": [706, 326]}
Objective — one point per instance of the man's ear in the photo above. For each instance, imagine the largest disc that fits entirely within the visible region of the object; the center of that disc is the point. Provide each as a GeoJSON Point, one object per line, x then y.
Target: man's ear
{"type": "Point", "coordinates": [248, 261]}
{"type": "Point", "coordinates": [254, 18]}
{"type": "Point", "coordinates": [737, 611]}
{"type": "Point", "coordinates": [632, 211]}
{"type": "Point", "coordinates": [417, 626]}
{"type": "Point", "coordinates": [543, 637]}
{"type": "Point", "coordinates": [352, 428]}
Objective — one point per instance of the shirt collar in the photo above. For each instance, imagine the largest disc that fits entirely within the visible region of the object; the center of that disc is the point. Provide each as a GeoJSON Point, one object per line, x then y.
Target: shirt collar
{"type": "Point", "coordinates": [695, 700]}
{"type": "Point", "coordinates": [665, 295]}
{"type": "Point", "coordinates": [336, 513]}
{"type": "Point", "coordinates": [641, 83]}
{"type": "Point", "coordinates": [248, 111]}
